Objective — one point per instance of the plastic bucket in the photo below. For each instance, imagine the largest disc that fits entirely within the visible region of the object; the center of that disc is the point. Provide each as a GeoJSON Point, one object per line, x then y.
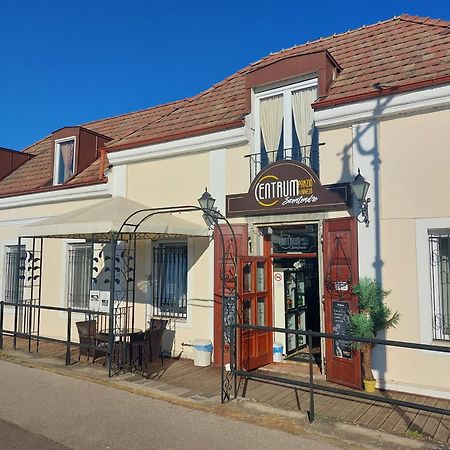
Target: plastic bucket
{"type": "Point", "coordinates": [202, 352]}
{"type": "Point", "coordinates": [277, 352]}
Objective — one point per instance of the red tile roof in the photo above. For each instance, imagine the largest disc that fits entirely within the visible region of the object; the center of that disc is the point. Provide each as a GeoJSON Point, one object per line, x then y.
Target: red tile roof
{"type": "Point", "coordinates": [400, 54]}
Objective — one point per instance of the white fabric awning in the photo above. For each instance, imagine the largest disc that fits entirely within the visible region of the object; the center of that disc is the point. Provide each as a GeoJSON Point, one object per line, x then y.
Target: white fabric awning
{"type": "Point", "coordinates": [106, 217]}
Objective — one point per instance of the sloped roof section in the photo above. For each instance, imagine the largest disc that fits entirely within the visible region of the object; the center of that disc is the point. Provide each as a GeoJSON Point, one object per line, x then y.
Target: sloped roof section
{"type": "Point", "coordinates": [402, 53]}
{"type": "Point", "coordinates": [396, 55]}
{"type": "Point", "coordinates": [38, 176]}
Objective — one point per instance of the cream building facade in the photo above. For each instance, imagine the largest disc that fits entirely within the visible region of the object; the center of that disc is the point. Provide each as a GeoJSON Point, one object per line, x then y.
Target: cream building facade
{"type": "Point", "coordinates": [398, 139]}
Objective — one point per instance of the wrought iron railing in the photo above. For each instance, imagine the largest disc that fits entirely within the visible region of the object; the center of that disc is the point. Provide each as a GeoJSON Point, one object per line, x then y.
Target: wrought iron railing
{"type": "Point", "coordinates": [314, 387]}
{"type": "Point", "coordinates": [122, 321]}
{"type": "Point", "coordinates": [306, 154]}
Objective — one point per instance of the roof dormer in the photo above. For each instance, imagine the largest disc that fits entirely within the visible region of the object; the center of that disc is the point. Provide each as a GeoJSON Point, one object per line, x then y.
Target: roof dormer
{"type": "Point", "coordinates": [75, 148]}
{"type": "Point", "coordinates": [10, 160]}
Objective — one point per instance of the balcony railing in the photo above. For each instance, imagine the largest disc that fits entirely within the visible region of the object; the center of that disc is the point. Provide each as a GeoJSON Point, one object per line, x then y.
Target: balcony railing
{"type": "Point", "coordinates": [306, 154]}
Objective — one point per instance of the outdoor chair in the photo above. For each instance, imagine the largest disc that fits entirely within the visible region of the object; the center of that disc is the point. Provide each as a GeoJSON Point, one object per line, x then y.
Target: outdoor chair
{"type": "Point", "coordinates": [137, 350]}
{"type": "Point", "coordinates": [156, 324]}
{"type": "Point", "coordinates": [87, 331]}
{"type": "Point", "coordinates": [153, 358]}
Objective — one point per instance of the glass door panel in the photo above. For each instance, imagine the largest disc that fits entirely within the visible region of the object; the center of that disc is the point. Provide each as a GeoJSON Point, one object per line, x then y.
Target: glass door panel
{"type": "Point", "coordinates": [247, 277]}
{"type": "Point", "coordinates": [260, 276]}
{"type": "Point", "coordinates": [301, 326]}
{"type": "Point", "coordinates": [247, 312]}
{"type": "Point", "coordinates": [261, 311]}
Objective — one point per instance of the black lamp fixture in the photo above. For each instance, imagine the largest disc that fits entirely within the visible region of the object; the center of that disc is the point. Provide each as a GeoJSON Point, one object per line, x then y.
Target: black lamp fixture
{"type": "Point", "coordinates": [206, 202]}
{"type": "Point", "coordinates": [360, 187]}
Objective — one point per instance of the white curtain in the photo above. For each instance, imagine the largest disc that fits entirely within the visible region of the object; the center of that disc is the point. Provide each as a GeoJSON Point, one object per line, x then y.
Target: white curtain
{"type": "Point", "coordinates": [271, 114]}
{"type": "Point", "coordinates": [303, 118]}
{"type": "Point", "coordinates": [67, 150]}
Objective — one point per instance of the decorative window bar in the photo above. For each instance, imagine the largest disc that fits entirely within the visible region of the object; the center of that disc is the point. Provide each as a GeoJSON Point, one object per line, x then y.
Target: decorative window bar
{"type": "Point", "coordinates": [170, 280]}
{"type": "Point", "coordinates": [79, 275]}
{"type": "Point", "coordinates": [439, 245]}
{"type": "Point", "coordinates": [11, 277]}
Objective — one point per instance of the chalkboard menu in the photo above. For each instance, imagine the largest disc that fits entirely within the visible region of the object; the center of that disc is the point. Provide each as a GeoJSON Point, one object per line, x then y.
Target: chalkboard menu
{"type": "Point", "coordinates": [341, 318]}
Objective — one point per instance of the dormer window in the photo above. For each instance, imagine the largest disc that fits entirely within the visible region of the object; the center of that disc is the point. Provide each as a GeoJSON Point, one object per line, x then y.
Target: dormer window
{"type": "Point", "coordinates": [285, 124]}
{"type": "Point", "coordinates": [65, 160]}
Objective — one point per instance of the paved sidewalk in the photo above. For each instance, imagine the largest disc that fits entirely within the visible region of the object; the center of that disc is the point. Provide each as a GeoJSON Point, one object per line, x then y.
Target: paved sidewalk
{"type": "Point", "coordinates": [184, 383]}
{"type": "Point", "coordinates": [84, 415]}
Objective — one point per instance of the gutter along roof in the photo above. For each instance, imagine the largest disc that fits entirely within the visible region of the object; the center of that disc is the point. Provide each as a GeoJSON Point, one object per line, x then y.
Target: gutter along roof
{"type": "Point", "coordinates": [397, 55]}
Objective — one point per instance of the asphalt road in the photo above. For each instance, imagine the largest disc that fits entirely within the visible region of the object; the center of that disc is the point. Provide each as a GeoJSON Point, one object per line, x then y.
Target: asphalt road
{"type": "Point", "coordinates": [53, 411]}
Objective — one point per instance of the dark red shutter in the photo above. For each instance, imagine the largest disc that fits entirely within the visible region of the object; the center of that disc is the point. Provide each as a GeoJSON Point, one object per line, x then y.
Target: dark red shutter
{"type": "Point", "coordinates": [340, 257]}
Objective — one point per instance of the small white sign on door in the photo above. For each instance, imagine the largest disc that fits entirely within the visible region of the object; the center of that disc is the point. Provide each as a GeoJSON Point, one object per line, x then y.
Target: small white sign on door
{"type": "Point", "coordinates": [94, 300]}
{"type": "Point", "coordinates": [104, 301]}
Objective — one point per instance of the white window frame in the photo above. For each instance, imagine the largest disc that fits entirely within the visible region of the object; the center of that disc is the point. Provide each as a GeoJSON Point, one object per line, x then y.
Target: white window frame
{"type": "Point", "coordinates": [155, 310]}
{"type": "Point", "coordinates": [57, 158]}
{"type": "Point", "coordinates": [3, 271]}
{"type": "Point", "coordinates": [434, 277]}
{"type": "Point", "coordinates": [286, 91]}
{"type": "Point", "coordinates": [423, 228]}
{"type": "Point", "coordinates": [70, 245]}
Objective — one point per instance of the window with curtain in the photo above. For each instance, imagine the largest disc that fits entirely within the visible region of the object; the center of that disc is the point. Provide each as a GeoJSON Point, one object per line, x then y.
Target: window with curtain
{"type": "Point", "coordinates": [170, 270]}
{"type": "Point", "coordinates": [285, 125]}
{"type": "Point", "coordinates": [64, 161]}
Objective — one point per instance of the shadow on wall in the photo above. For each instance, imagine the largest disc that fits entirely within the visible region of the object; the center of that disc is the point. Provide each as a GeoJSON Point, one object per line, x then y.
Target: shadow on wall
{"type": "Point", "coordinates": [363, 134]}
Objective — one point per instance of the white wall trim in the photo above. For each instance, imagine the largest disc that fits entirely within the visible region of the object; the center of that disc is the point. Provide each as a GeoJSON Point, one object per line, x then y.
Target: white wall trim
{"type": "Point", "coordinates": [205, 142]}
{"type": "Point", "coordinates": [60, 195]}
{"type": "Point", "coordinates": [411, 102]}
{"type": "Point", "coordinates": [118, 177]}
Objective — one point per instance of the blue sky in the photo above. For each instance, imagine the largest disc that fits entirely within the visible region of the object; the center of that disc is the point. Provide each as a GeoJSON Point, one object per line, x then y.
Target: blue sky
{"type": "Point", "coordinates": [67, 62]}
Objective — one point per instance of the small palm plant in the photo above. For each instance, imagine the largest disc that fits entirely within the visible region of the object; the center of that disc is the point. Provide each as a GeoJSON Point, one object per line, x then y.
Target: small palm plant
{"type": "Point", "coordinates": [374, 316]}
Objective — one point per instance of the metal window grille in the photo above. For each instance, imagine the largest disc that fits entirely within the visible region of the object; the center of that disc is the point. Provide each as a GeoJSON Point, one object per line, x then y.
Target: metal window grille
{"type": "Point", "coordinates": [79, 275]}
{"type": "Point", "coordinates": [170, 280]}
{"type": "Point", "coordinates": [439, 245]}
{"type": "Point", "coordinates": [12, 273]}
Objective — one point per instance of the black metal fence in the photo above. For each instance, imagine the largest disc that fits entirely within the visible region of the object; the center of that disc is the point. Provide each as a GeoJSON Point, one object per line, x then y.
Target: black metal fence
{"type": "Point", "coordinates": [34, 334]}
{"type": "Point", "coordinates": [315, 387]}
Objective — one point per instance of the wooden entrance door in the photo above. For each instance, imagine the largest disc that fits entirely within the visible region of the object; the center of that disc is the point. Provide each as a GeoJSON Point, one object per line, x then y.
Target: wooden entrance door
{"type": "Point", "coordinates": [255, 308]}
{"type": "Point", "coordinates": [340, 253]}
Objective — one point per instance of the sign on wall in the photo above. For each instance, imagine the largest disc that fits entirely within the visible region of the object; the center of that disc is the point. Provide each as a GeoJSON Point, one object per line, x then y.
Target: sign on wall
{"type": "Point", "coordinates": [286, 187]}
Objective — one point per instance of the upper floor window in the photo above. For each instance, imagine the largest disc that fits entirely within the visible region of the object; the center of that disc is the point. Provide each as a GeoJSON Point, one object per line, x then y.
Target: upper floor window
{"type": "Point", "coordinates": [65, 152]}
{"type": "Point", "coordinates": [285, 124]}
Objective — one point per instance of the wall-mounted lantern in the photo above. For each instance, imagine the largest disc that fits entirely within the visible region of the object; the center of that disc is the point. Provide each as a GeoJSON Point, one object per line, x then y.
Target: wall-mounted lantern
{"type": "Point", "coordinates": [360, 187]}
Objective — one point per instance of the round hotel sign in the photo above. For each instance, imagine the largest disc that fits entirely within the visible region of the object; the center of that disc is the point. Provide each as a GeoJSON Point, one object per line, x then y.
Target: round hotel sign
{"type": "Point", "coordinates": [286, 186]}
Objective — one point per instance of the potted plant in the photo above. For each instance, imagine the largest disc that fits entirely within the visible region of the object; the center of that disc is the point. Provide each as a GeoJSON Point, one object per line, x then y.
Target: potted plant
{"type": "Point", "coordinates": [373, 316]}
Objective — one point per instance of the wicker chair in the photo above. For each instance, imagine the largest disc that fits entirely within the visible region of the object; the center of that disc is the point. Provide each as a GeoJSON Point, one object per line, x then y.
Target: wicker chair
{"type": "Point", "coordinates": [156, 324]}
{"type": "Point", "coordinates": [87, 331]}
{"type": "Point", "coordinates": [153, 358]}
{"type": "Point", "coordinates": [137, 341]}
